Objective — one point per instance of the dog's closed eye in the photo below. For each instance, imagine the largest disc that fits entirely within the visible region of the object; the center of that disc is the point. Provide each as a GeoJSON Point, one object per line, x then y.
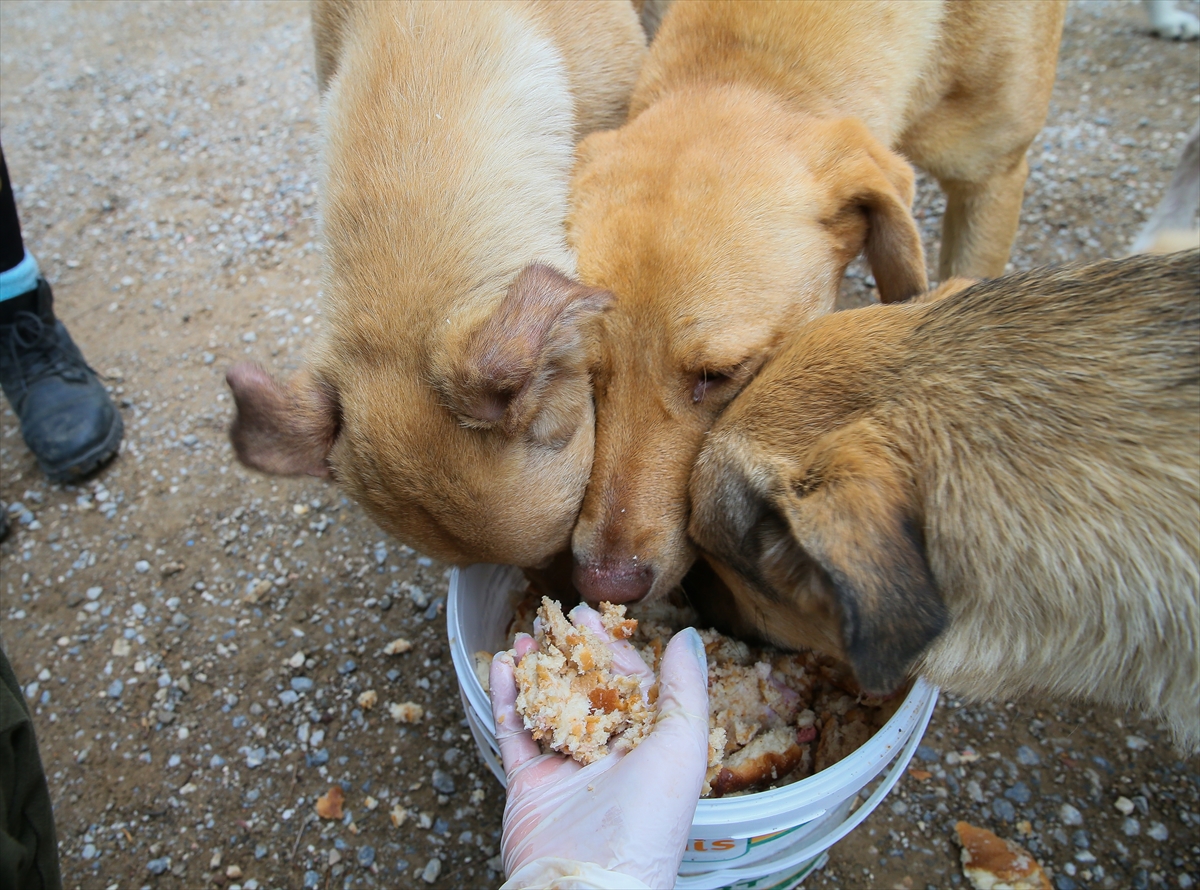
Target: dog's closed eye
{"type": "Point", "coordinates": [706, 382]}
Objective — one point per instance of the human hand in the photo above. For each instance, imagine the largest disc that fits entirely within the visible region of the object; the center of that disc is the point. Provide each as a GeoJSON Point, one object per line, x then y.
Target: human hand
{"type": "Point", "coordinates": [629, 812]}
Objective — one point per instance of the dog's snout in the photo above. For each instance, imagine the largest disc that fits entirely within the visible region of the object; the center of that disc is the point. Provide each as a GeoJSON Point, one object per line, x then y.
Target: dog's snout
{"type": "Point", "coordinates": [613, 581]}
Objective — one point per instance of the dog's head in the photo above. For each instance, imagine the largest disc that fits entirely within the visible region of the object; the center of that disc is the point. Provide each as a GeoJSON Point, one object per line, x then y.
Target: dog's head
{"type": "Point", "coordinates": [478, 449]}
{"type": "Point", "coordinates": [717, 219]}
{"type": "Point", "coordinates": [809, 511]}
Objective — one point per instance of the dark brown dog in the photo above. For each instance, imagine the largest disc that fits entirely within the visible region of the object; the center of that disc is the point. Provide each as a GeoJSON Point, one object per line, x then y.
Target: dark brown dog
{"type": "Point", "coordinates": [999, 489]}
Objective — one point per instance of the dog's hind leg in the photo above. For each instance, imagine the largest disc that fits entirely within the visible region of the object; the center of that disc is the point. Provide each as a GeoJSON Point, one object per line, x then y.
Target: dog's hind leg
{"type": "Point", "coordinates": [981, 223]}
{"type": "Point", "coordinates": [1176, 213]}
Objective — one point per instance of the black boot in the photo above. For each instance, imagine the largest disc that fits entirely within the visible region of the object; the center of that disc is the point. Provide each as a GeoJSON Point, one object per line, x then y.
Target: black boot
{"type": "Point", "coordinates": [67, 419]}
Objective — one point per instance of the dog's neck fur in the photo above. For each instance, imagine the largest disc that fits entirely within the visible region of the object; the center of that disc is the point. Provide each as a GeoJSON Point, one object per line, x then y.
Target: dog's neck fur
{"type": "Point", "coordinates": [863, 82]}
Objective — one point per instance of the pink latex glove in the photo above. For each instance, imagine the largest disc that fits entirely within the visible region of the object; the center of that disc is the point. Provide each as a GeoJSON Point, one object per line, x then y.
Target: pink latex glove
{"type": "Point", "coordinates": [629, 812]}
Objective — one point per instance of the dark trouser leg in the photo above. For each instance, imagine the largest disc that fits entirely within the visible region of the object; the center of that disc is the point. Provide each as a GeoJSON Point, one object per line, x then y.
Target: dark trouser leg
{"type": "Point", "coordinates": [28, 846]}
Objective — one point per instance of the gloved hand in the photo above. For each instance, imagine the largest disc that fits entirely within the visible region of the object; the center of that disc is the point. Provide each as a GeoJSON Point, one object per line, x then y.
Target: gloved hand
{"type": "Point", "coordinates": [629, 812]}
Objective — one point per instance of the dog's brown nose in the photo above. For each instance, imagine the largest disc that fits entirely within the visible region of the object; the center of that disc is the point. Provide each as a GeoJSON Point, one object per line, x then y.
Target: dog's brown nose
{"type": "Point", "coordinates": [615, 581]}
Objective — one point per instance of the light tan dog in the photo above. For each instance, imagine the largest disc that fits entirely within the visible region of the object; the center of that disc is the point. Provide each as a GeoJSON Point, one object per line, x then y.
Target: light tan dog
{"type": "Point", "coordinates": [450, 391]}
{"type": "Point", "coordinates": [999, 490]}
{"type": "Point", "coordinates": [757, 163]}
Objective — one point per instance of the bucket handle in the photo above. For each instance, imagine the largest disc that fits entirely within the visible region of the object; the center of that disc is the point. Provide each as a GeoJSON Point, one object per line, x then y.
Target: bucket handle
{"type": "Point", "coordinates": [818, 846]}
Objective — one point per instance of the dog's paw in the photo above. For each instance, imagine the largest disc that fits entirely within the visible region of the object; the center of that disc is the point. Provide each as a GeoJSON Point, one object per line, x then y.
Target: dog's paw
{"type": "Point", "coordinates": [1170, 23]}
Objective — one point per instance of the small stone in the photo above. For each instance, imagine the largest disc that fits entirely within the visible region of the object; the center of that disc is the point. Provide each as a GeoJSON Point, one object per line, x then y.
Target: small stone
{"type": "Point", "coordinates": [1131, 827]}
{"type": "Point", "coordinates": [974, 791]}
{"type": "Point", "coordinates": [899, 808]}
{"type": "Point", "coordinates": [1124, 805]}
{"type": "Point", "coordinates": [1081, 839]}
{"type": "Point", "coordinates": [93, 593]}
{"type": "Point", "coordinates": [431, 871]}
{"type": "Point", "coordinates": [88, 851]}
{"type": "Point", "coordinates": [1019, 794]}
{"type": "Point", "coordinates": [366, 856]}
{"type": "Point", "coordinates": [1026, 756]}
{"type": "Point", "coordinates": [312, 880]}
{"type": "Point", "coordinates": [141, 567]}
{"type": "Point", "coordinates": [233, 872]}
{"type": "Point", "coordinates": [1069, 815]}
{"type": "Point", "coordinates": [256, 757]}
{"type": "Point", "coordinates": [347, 667]}
{"type": "Point", "coordinates": [249, 337]}
{"type": "Point", "coordinates": [1157, 831]}
{"type": "Point", "coordinates": [442, 782]}
{"type": "Point", "coordinates": [1062, 882]}
{"type": "Point", "coordinates": [121, 647]}
{"type": "Point", "coordinates": [1136, 743]}
{"type": "Point", "coordinates": [302, 684]}
{"type": "Point", "coordinates": [927, 754]}
{"type": "Point", "coordinates": [171, 568]}
{"type": "Point", "coordinates": [159, 866]}
{"type": "Point", "coordinates": [317, 758]}
{"type": "Point", "coordinates": [74, 598]}
{"type": "Point", "coordinates": [1004, 810]}
{"type": "Point", "coordinates": [115, 688]}
{"type": "Point", "coordinates": [288, 697]}
{"type": "Point", "coordinates": [296, 661]}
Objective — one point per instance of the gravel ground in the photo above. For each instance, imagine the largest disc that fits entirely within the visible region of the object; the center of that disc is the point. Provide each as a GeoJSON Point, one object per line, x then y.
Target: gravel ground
{"type": "Point", "coordinates": [200, 643]}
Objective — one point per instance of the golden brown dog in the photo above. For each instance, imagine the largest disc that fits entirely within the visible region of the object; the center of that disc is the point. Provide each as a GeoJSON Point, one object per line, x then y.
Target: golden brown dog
{"type": "Point", "coordinates": [757, 163]}
{"type": "Point", "coordinates": [450, 392]}
{"type": "Point", "coordinates": [999, 490]}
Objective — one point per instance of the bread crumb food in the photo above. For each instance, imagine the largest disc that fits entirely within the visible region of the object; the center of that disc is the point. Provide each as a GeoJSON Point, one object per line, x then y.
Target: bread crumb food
{"type": "Point", "coordinates": [397, 646]}
{"type": "Point", "coordinates": [568, 694]}
{"type": "Point", "coordinates": [406, 712]}
{"type": "Point", "coordinates": [992, 863]}
{"type": "Point", "coordinates": [774, 717]}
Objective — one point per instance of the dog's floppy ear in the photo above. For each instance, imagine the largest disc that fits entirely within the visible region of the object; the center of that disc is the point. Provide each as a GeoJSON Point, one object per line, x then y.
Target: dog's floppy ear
{"type": "Point", "coordinates": [851, 509]}
{"type": "Point", "coordinates": [871, 179]}
{"type": "Point", "coordinates": [503, 372]}
{"type": "Point", "coordinates": [284, 429]}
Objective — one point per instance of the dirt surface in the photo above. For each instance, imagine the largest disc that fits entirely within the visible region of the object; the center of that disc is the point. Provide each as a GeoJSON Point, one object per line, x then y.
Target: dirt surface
{"type": "Point", "coordinates": [195, 638]}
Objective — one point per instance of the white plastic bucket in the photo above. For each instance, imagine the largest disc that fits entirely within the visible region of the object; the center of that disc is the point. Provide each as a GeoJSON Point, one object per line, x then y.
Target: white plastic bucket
{"type": "Point", "coordinates": [770, 839]}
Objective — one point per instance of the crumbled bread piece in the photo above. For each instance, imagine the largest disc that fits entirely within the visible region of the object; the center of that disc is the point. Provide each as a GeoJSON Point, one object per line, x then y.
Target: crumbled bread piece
{"type": "Point", "coordinates": [568, 695]}
{"type": "Point", "coordinates": [367, 700]}
{"type": "Point", "coordinates": [992, 863]}
{"type": "Point", "coordinates": [397, 646]}
{"type": "Point", "coordinates": [768, 757]}
{"type": "Point", "coordinates": [406, 712]}
{"type": "Point", "coordinates": [799, 709]}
